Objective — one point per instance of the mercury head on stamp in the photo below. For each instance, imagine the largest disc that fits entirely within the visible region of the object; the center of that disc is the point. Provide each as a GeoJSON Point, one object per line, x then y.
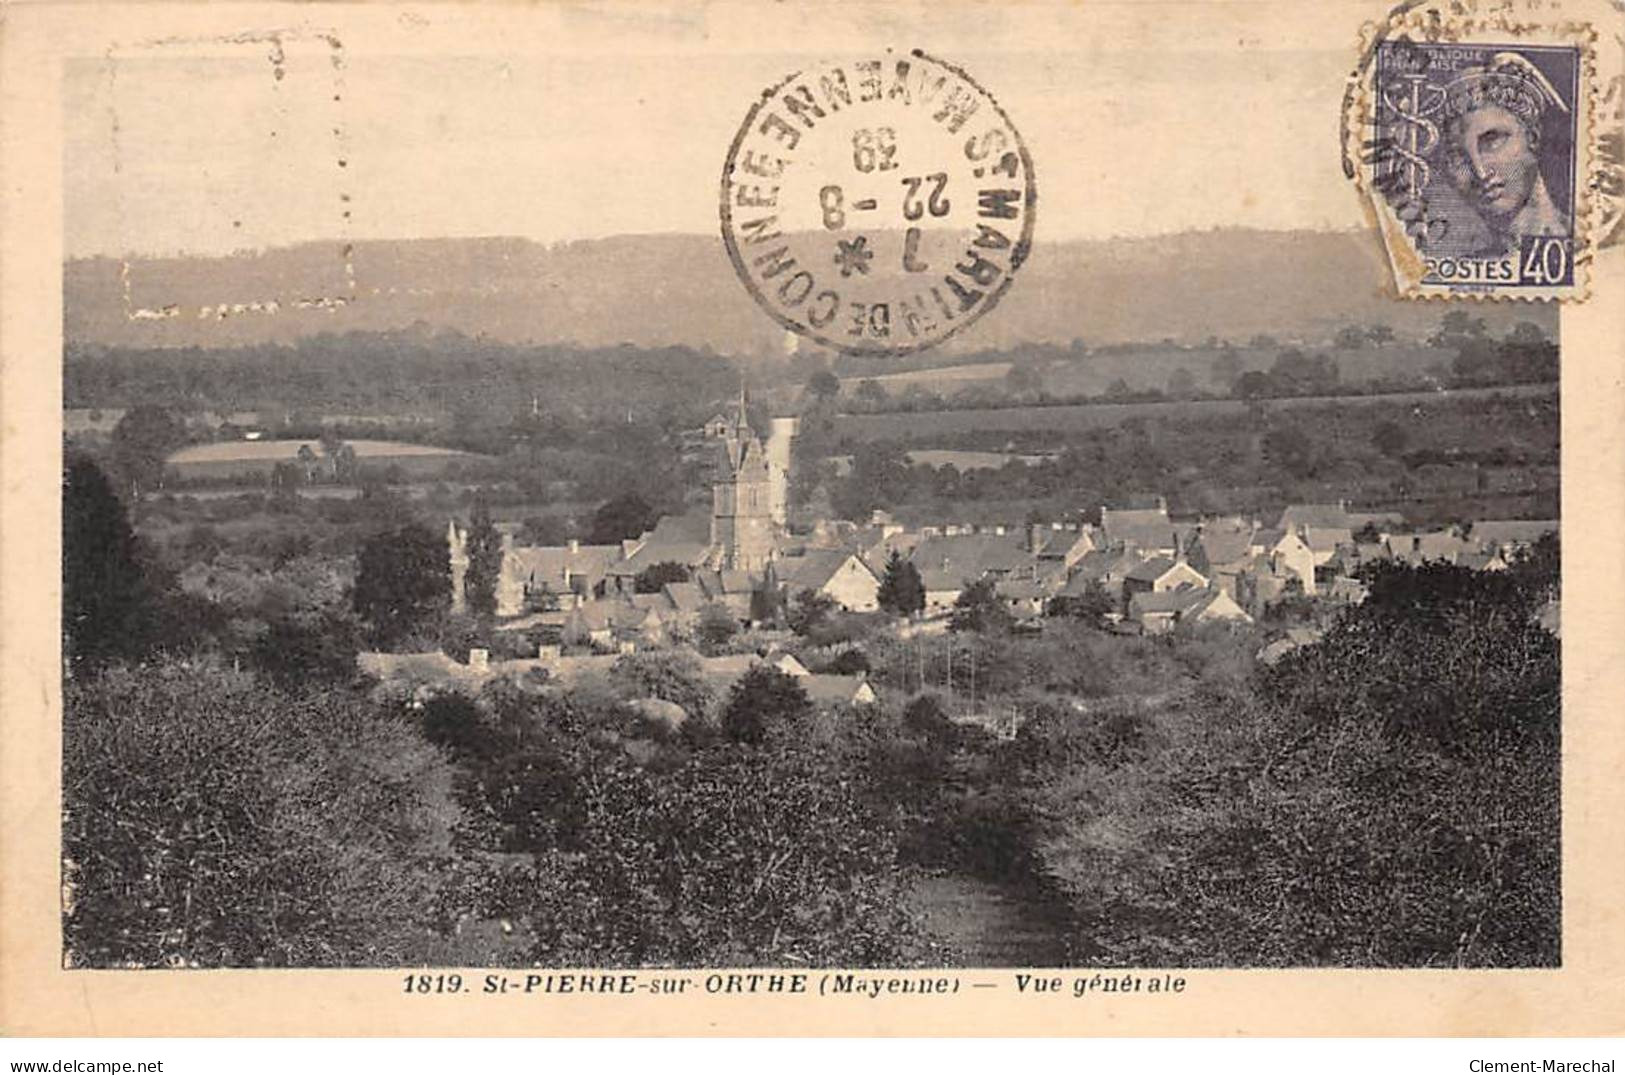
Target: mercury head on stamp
{"type": "Point", "coordinates": [1492, 137]}
{"type": "Point", "coordinates": [878, 206]}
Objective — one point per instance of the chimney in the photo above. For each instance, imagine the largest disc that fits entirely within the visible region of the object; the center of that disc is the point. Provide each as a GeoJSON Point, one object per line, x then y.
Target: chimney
{"type": "Point", "coordinates": [1035, 537]}
{"type": "Point", "coordinates": [479, 659]}
{"type": "Point", "coordinates": [575, 546]}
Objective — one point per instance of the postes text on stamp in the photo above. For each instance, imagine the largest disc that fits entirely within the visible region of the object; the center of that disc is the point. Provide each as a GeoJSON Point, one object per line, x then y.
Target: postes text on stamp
{"type": "Point", "coordinates": [878, 206]}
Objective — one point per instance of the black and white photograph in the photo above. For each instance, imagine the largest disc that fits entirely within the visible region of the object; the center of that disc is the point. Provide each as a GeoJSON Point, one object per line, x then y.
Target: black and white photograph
{"type": "Point", "coordinates": [556, 492]}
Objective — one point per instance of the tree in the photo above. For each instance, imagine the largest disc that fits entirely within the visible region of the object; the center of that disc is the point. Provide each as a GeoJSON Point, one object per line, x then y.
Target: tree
{"type": "Point", "coordinates": [627, 515]}
{"type": "Point", "coordinates": [1457, 327]}
{"type": "Point", "coordinates": [824, 386]}
{"type": "Point", "coordinates": [543, 530]}
{"type": "Point", "coordinates": [297, 651]}
{"type": "Point", "coordinates": [345, 468]}
{"type": "Point", "coordinates": [1023, 379]}
{"type": "Point", "coordinates": [762, 699]}
{"type": "Point", "coordinates": [1295, 373]}
{"type": "Point", "coordinates": [1291, 448]}
{"type": "Point", "coordinates": [978, 608]}
{"type": "Point", "coordinates": [1254, 384]}
{"type": "Point", "coordinates": [926, 716]}
{"type": "Point", "coordinates": [1181, 383]}
{"type": "Point", "coordinates": [306, 457]}
{"type": "Point", "coordinates": [902, 591]}
{"type": "Point", "coordinates": [403, 581]}
{"type": "Point", "coordinates": [654, 578]}
{"type": "Point", "coordinates": [142, 441]}
{"type": "Point", "coordinates": [1390, 438]}
{"type": "Point", "coordinates": [1091, 606]}
{"type": "Point", "coordinates": [716, 624]}
{"type": "Point", "coordinates": [1379, 334]}
{"type": "Point", "coordinates": [1351, 337]}
{"type": "Point", "coordinates": [1527, 333]}
{"type": "Point", "coordinates": [756, 857]}
{"type": "Point", "coordinates": [808, 611]}
{"type": "Point", "coordinates": [107, 603]}
{"type": "Point", "coordinates": [872, 393]}
{"type": "Point", "coordinates": [674, 677]}
{"type": "Point", "coordinates": [286, 478]}
{"type": "Point", "coordinates": [484, 561]}
{"type": "Point", "coordinates": [879, 478]}
{"type": "Point", "coordinates": [211, 820]}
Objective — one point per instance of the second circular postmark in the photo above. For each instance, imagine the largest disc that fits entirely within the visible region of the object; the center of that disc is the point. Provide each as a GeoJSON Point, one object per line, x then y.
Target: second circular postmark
{"type": "Point", "coordinates": [878, 206]}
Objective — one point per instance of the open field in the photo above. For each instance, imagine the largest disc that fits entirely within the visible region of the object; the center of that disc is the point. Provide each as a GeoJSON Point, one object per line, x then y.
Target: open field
{"type": "Point", "coordinates": [1072, 418]}
{"type": "Point", "coordinates": [1151, 368]}
{"type": "Point", "coordinates": [935, 379]}
{"type": "Point", "coordinates": [228, 458]}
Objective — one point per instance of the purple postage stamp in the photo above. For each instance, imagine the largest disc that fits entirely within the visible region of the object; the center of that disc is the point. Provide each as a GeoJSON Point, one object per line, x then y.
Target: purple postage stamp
{"type": "Point", "coordinates": [878, 206]}
{"type": "Point", "coordinates": [1475, 162]}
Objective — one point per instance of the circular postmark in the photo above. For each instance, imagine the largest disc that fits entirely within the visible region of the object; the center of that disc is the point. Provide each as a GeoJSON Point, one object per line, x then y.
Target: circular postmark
{"type": "Point", "coordinates": [877, 206]}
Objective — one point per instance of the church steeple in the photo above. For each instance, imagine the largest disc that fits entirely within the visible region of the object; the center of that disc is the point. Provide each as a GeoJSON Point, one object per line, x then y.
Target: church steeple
{"type": "Point", "coordinates": [742, 418]}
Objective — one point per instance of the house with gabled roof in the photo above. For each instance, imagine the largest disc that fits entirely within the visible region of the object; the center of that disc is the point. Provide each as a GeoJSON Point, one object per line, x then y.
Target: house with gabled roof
{"type": "Point", "coordinates": [839, 574]}
{"type": "Point", "coordinates": [534, 576]}
{"type": "Point", "coordinates": [731, 589]}
{"type": "Point", "coordinates": [942, 589]}
{"type": "Point", "coordinates": [689, 555]}
{"type": "Point", "coordinates": [835, 691]}
{"type": "Point", "coordinates": [1024, 598]}
{"type": "Point", "coordinates": [1161, 574]}
{"type": "Point", "coordinates": [1298, 516]}
{"type": "Point", "coordinates": [1291, 554]}
{"type": "Point", "coordinates": [1429, 546]}
{"type": "Point", "coordinates": [971, 556]}
{"type": "Point", "coordinates": [1221, 551]}
{"type": "Point", "coordinates": [1105, 567]}
{"type": "Point", "coordinates": [1215, 606]}
{"type": "Point", "coordinates": [1148, 530]}
{"type": "Point", "coordinates": [686, 600]}
{"type": "Point", "coordinates": [1157, 613]}
{"type": "Point", "coordinates": [1265, 579]}
{"type": "Point", "coordinates": [1510, 537]}
{"type": "Point", "coordinates": [1060, 546]}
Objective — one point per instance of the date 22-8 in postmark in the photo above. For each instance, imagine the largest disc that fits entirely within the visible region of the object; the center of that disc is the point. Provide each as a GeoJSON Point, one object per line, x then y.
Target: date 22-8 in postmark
{"type": "Point", "coordinates": [1476, 159]}
{"type": "Point", "coordinates": [879, 206]}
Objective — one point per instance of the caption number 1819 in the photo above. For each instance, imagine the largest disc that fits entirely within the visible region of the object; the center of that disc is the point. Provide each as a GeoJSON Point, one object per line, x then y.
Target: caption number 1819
{"type": "Point", "coordinates": [434, 983]}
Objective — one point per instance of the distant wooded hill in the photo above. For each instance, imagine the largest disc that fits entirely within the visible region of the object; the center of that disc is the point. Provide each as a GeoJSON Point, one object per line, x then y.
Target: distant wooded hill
{"type": "Point", "coordinates": [680, 290]}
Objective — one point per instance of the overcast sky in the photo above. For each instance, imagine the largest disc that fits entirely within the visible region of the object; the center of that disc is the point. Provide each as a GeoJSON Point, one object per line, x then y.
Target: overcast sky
{"type": "Point", "coordinates": [577, 122]}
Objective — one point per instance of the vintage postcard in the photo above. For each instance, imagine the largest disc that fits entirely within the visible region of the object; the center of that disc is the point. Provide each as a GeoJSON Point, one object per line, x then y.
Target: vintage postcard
{"type": "Point", "coordinates": [737, 518]}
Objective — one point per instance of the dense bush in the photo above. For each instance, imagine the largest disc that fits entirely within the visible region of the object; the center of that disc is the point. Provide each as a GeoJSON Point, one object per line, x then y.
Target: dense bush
{"type": "Point", "coordinates": [1386, 797]}
{"type": "Point", "coordinates": [735, 859]}
{"type": "Point", "coordinates": [210, 820]}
